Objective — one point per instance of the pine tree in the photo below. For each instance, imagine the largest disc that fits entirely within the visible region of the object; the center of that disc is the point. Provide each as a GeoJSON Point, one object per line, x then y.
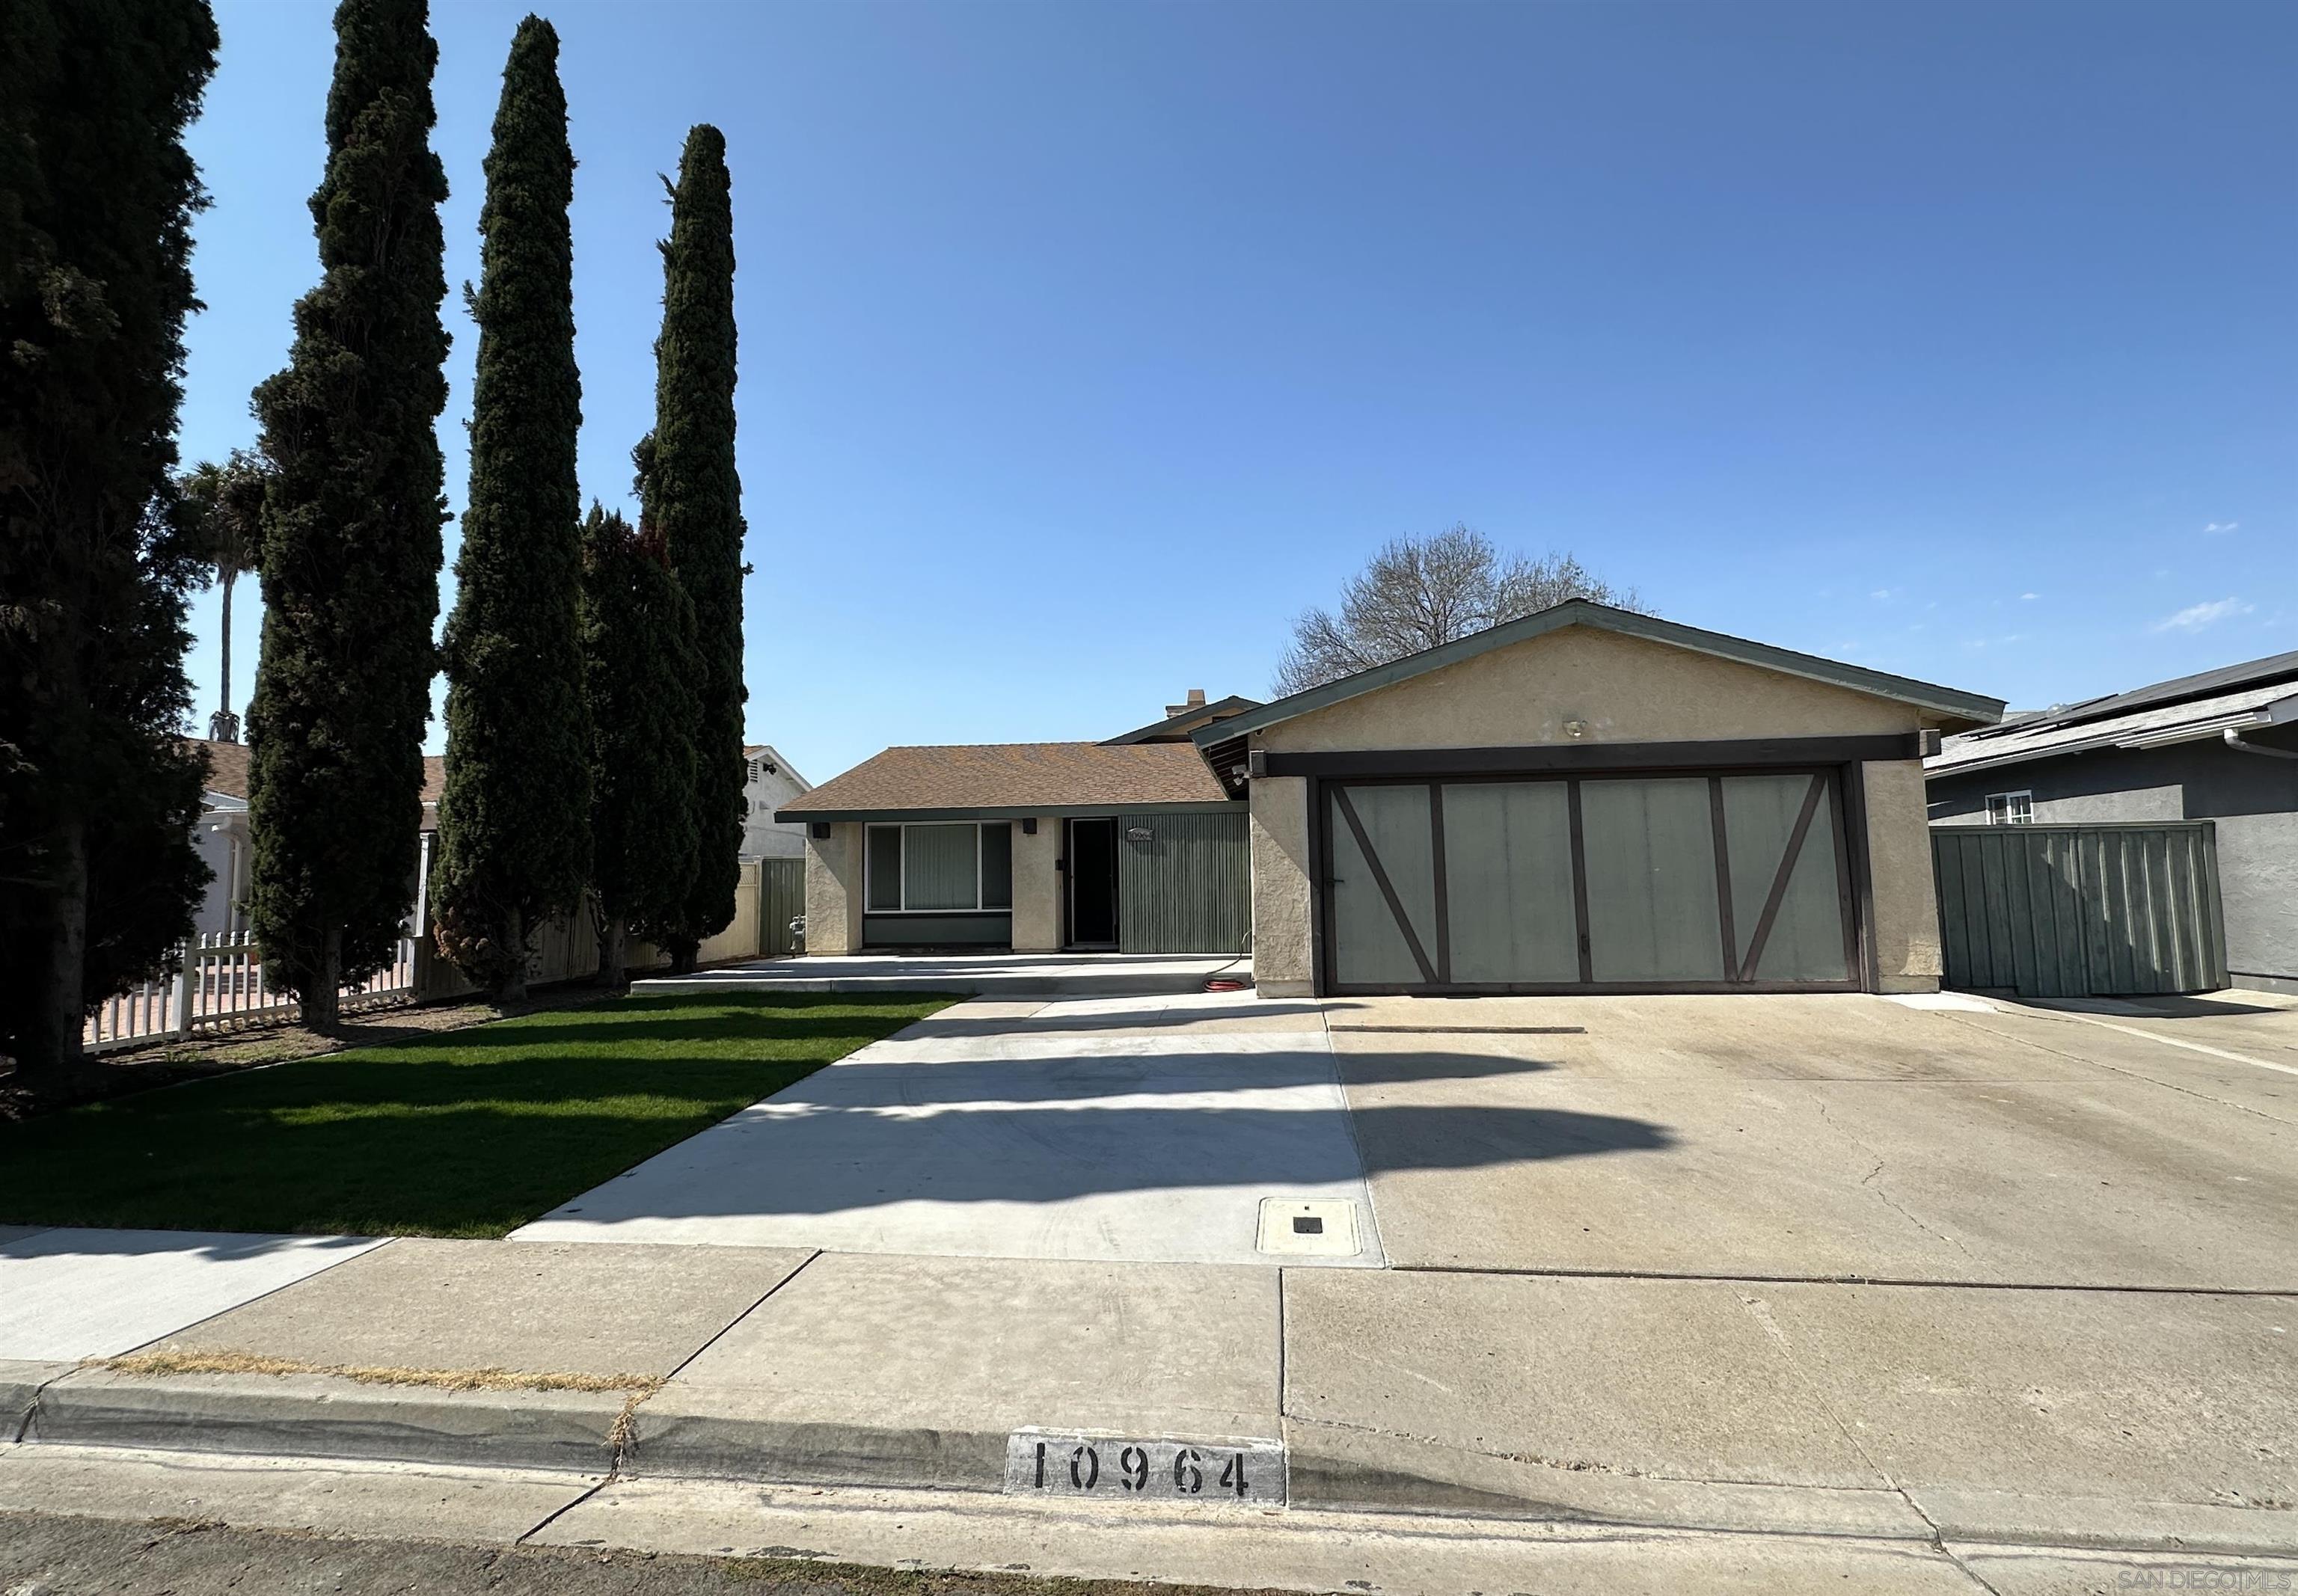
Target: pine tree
{"type": "Point", "coordinates": [639, 668]}
{"type": "Point", "coordinates": [693, 496]}
{"type": "Point", "coordinates": [351, 546]}
{"type": "Point", "coordinates": [514, 823]}
{"type": "Point", "coordinates": [98, 877]}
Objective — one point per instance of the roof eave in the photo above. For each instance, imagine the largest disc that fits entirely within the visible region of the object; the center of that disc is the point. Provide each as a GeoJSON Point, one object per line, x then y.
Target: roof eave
{"type": "Point", "coordinates": [1957, 710]}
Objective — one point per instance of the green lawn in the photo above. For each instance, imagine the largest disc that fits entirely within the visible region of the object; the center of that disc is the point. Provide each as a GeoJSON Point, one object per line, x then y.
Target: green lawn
{"type": "Point", "coordinates": [469, 1133]}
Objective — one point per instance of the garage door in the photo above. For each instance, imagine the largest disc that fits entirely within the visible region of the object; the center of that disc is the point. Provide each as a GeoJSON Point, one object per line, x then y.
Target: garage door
{"type": "Point", "coordinates": [1693, 883]}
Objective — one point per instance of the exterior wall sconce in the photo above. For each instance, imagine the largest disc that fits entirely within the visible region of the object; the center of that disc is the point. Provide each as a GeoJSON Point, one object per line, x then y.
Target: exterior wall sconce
{"type": "Point", "coordinates": [1029, 825]}
{"type": "Point", "coordinates": [819, 830]}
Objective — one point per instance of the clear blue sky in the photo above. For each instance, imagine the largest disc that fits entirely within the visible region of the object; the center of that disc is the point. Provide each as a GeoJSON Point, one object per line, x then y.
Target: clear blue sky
{"type": "Point", "coordinates": [1085, 343]}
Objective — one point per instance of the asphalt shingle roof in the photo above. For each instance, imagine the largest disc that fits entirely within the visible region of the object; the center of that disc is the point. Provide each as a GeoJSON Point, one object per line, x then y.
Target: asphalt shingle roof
{"type": "Point", "coordinates": [228, 770]}
{"type": "Point", "coordinates": [1016, 775]}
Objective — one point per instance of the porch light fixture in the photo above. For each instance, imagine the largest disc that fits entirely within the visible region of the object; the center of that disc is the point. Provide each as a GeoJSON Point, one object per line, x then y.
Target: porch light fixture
{"type": "Point", "coordinates": [1576, 728]}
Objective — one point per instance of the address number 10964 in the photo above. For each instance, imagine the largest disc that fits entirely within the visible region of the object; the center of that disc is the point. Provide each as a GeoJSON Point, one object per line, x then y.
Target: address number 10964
{"type": "Point", "coordinates": [1119, 1468]}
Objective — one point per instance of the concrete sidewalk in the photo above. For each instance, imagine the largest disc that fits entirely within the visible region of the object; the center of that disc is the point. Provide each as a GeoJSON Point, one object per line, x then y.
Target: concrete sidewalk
{"type": "Point", "coordinates": [2119, 1419]}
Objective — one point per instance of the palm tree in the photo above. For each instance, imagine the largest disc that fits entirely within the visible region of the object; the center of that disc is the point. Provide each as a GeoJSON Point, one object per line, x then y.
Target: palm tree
{"type": "Point", "coordinates": [224, 506]}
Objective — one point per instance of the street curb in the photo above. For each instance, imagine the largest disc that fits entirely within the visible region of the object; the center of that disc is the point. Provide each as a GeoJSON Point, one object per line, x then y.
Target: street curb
{"type": "Point", "coordinates": [20, 1382]}
{"type": "Point", "coordinates": [1331, 1469]}
{"type": "Point", "coordinates": [324, 1416]}
{"type": "Point", "coordinates": [802, 1452]}
{"type": "Point", "coordinates": [1341, 1470]}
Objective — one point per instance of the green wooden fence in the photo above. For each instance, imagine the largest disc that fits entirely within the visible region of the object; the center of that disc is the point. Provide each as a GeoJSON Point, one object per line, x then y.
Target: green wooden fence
{"type": "Point", "coordinates": [782, 898]}
{"type": "Point", "coordinates": [2080, 911]}
{"type": "Point", "coordinates": [1183, 883]}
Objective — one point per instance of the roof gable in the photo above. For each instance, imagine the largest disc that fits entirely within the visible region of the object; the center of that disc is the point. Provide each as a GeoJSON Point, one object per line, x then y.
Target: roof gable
{"type": "Point", "coordinates": [1949, 704]}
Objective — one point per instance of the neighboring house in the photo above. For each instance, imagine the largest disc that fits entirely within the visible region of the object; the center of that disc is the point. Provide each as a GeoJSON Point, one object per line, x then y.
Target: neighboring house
{"type": "Point", "coordinates": [771, 783]}
{"type": "Point", "coordinates": [221, 832]}
{"type": "Point", "coordinates": [1580, 800]}
{"type": "Point", "coordinates": [2221, 746]}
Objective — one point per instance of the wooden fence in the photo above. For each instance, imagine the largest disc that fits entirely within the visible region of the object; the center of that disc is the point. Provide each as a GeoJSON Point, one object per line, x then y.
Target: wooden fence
{"type": "Point", "coordinates": [218, 984]}
{"type": "Point", "coordinates": [2077, 911]}
{"type": "Point", "coordinates": [219, 981]}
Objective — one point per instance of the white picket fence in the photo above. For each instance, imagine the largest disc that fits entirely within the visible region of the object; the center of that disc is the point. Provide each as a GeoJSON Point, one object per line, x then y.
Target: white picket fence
{"type": "Point", "coordinates": [218, 984]}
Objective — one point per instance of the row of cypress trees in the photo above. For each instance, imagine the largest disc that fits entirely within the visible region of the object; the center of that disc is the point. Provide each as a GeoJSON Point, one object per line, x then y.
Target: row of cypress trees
{"type": "Point", "coordinates": [594, 670]}
{"type": "Point", "coordinates": [559, 779]}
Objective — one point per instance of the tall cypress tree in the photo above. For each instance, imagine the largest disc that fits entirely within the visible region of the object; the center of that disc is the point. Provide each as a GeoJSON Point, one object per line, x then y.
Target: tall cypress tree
{"type": "Point", "coordinates": [98, 877]}
{"type": "Point", "coordinates": [351, 547]}
{"type": "Point", "coordinates": [639, 668]}
{"type": "Point", "coordinates": [515, 820]}
{"type": "Point", "coordinates": [693, 496]}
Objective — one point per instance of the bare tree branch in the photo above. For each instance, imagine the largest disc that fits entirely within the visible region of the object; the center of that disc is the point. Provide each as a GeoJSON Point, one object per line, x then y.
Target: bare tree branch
{"type": "Point", "coordinates": [1416, 593]}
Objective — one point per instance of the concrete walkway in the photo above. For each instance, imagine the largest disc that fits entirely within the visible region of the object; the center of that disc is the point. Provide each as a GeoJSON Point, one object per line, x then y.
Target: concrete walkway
{"type": "Point", "coordinates": [970, 975]}
{"type": "Point", "coordinates": [1158, 1129]}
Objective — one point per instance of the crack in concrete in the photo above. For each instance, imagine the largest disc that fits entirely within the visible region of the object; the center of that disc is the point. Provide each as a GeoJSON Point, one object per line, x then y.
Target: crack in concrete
{"type": "Point", "coordinates": [1761, 1312]}
{"type": "Point", "coordinates": [1881, 1194]}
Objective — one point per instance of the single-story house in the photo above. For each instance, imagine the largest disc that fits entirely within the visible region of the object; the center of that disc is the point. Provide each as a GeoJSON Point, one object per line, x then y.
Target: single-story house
{"type": "Point", "coordinates": [770, 782]}
{"type": "Point", "coordinates": [2221, 746]}
{"type": "Point", "coordinates": [1582, 800]}
{"type": "Point", "coordinates": [221, 835]}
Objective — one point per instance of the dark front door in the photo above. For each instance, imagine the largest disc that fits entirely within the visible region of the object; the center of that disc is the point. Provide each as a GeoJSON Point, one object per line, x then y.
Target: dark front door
{"type": "Point", "coordinates": [1091, 864]}
{"type": "Point", "coordinates": [1700, 881]}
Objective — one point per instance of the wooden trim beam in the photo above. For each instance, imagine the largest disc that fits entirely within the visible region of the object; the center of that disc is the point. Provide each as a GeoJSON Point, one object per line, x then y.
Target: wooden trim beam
{"type": "Point", "coordinates": [1748, 752]}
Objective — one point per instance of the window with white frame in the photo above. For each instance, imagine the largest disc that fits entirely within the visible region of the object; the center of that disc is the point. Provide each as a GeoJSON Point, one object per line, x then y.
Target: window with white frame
{"type": "Point", "coordinates": [939, 868]}
{"type": "Point", "coordinates": [2010, 808]}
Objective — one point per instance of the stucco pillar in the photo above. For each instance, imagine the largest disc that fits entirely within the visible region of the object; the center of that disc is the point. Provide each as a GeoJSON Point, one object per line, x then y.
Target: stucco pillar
{"type": "Point", "coordinates": [1038, 888]}
{"type": "Point", "coordinates": [833, 890]}
{"type": "Point", "coordinates": [1905, 930]}
{"type": "Point", "coordinates": [1283, 963]}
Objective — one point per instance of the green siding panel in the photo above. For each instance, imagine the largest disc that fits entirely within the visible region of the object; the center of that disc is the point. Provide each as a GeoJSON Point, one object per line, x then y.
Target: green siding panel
{"type": "Point", "coordinates": [1183, 883]}
{"type": "Point", "coordinates": [782, 898]}
{"type": "Point", "coordinates": [2080, 911]}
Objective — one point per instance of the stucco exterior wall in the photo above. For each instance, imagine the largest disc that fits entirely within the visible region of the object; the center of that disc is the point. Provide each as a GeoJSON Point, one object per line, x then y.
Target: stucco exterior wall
{"type": "Point", "coordinates": [1038, 888]}
{"type": "Point", "coordinates": [1904, 933]}
{"type": "Point", "coordinates": [1283, 908]}
{"type": "Point", "coordinates": [1622, 689]}
{"type": "Point", "coordinates": [833, 890]}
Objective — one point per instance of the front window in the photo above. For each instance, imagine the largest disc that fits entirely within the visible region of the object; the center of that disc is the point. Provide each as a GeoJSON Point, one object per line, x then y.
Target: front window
{"type": "Point", "coordinates": [2010, 808]}
{"type": "Point", "coordinates": [930, 867]}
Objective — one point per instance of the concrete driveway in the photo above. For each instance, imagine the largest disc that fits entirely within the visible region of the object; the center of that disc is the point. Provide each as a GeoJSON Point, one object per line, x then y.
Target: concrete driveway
{"type": "Point", "coordinates": [1754, 1137]}
{"type": "Point", "coordinates": [1822, 1138]}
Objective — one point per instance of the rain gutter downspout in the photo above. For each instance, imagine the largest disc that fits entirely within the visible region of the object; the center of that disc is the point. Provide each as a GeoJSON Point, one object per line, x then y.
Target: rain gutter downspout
{"type": "Point", "coordinates": [2234, 740]}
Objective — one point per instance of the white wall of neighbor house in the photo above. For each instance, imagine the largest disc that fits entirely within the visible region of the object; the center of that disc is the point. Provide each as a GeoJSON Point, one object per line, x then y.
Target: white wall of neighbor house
{"type": "Point", "coordinates": [770, 786]}
{"type": "Point", "coordinates": [1619, 688]}
{"type": "Point", "coordinates": [221, 836]}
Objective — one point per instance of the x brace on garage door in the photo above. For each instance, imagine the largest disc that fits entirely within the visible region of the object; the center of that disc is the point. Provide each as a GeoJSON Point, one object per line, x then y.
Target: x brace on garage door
{"type": "Point", "coordinates": [1680, 880]}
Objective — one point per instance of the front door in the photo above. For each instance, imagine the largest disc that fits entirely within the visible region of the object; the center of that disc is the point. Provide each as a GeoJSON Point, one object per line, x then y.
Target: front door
{"type": "Point", "coordinates": [1700, 882]}
{"type": "Point", "coordinates": [1091, 862]}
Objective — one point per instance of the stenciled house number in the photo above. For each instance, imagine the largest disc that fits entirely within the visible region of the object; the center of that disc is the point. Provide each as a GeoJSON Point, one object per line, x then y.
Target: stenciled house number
{"type": "Point", "coordinates": [1119, 1468]}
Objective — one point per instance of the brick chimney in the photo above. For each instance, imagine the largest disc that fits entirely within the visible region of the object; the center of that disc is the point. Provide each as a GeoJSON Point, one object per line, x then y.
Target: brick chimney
{"type": "Point", "coordinates": [1196, 701]}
